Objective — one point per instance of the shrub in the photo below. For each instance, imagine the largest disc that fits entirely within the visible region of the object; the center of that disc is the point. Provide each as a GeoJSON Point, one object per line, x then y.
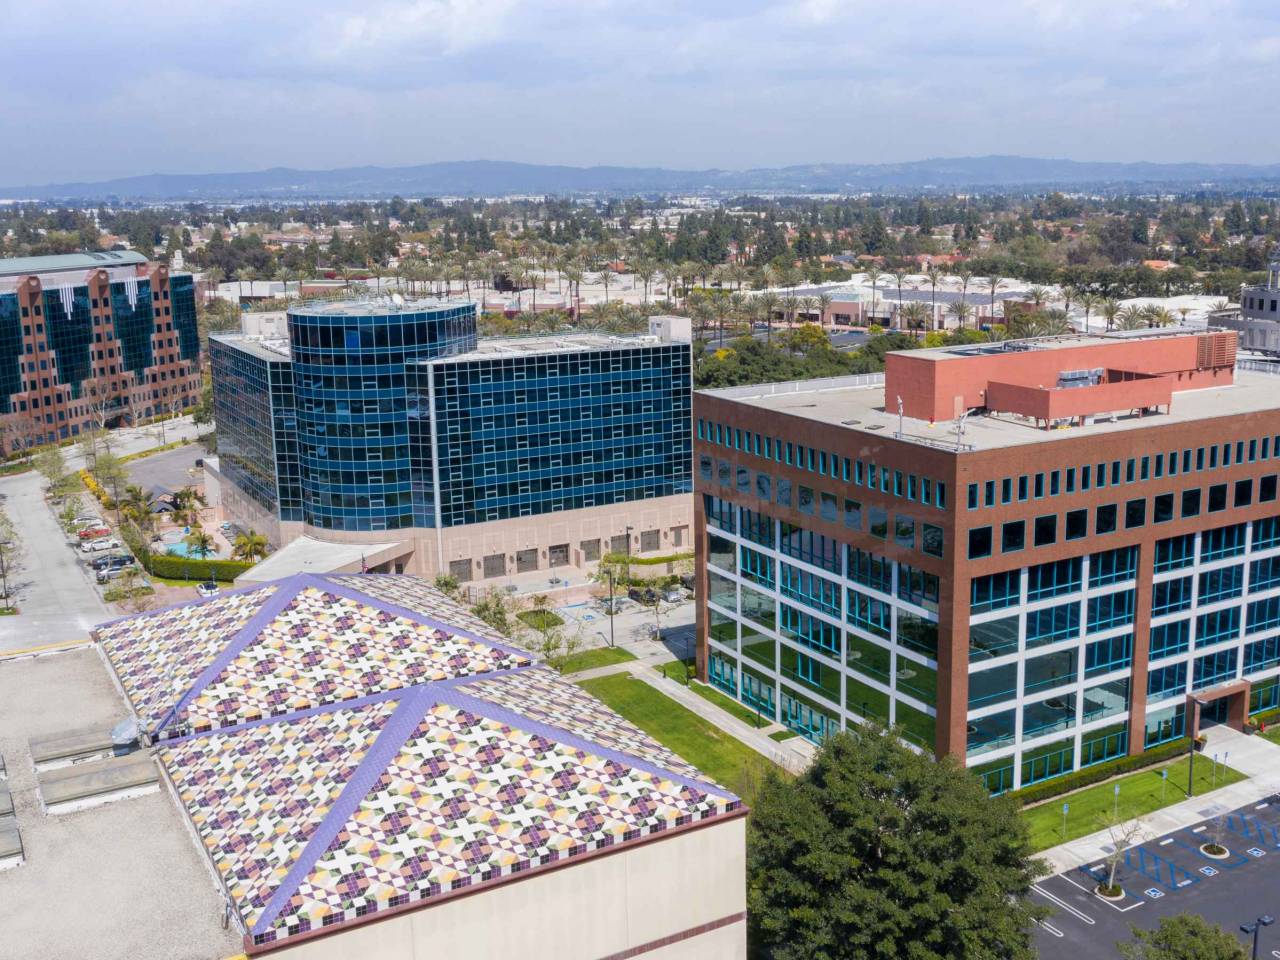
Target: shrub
{"type": "Point", "coordinates": [1098, 772]}
{"type": "Point", "coordinates": [179, 568]}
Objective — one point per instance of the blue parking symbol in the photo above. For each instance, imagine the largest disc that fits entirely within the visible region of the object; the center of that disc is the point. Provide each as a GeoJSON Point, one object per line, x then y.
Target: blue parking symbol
{"type": "Point", "coordinates": [1154, 893]}
{"type": "Point", "coordinates": [1257, 852]}
{"type": "Point", "coordinates": [1209, 871]}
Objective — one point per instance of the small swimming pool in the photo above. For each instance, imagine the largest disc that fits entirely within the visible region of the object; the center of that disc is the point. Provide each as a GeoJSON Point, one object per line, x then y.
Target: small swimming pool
{"type": "Point", "coordinates": [182, 550]}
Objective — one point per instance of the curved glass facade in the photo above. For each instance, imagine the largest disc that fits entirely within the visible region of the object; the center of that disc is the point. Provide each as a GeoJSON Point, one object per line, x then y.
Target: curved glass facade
{"type": "Point", "coordinates": [352, 405]}
{"type": "Point", "coordinates": [400, 418]}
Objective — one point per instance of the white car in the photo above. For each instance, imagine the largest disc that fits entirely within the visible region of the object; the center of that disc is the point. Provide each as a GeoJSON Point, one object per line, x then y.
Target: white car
{"type": "Point", "coordinates": [207, 589]}
{"type": "Point", "coordinates": [97, 546]}
{"type": "Point", "coordinates": [86, 521]}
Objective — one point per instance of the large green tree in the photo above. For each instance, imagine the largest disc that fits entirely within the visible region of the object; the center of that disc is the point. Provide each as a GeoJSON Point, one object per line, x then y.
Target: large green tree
{"type": "Point", "coordinates": [879, 852]}
{"type": "Point", "coordinates": [1186, 936]}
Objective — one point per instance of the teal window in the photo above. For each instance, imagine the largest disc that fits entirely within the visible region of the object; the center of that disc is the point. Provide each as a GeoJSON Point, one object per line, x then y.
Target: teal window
{"type": "Point", "coordinates": [809, 589]}
{"type": "Point", "coordinates": [1135, 514]}
{"type": "Point", "coordinates": [1162, 508]}
{"type": "Point", "coordinates": [1048, 716]}
{"type": "Point", "coordinates": [1170, 596]}
{"type": "Point", "coordinates": [979, 543]}
{"type": "Point", "coordinates": [1046, 530]}
{"type": "Point", "coordinates": [1105, 700]}
{"type": "Point", "coordinates": [1165, 725]}
{"type": "Point", "coordinates": [1050, 670]}
{"type": "Point", "coordinates": [1102, 745]}
{"type": "Point", "coordinates": [808, 630]}
{"type": "Point", "coordinates": [1217, 626]}
{"type": "Point", "coordinates": [932, 540]}
{"type": "Point", "coordinates": [870, 570]}
{"type": "Point", "coordinates": [1191, 503]}
{"type": "Point", "coordinates": [1076, 524]}
{"type": "Point", "coordinates": [1262, 654]}
{"type": "Point", "coordinates": [1217, 498]}
{"type": "Point", "coordinates": [990, 733]}
{"type": "Point", "coordinates": [918, 586]}
{"type": "Point", "coordinates": [1264, 574]}
{"type": "Point", "coordinates": [1175, 553]}
{"type": "Point", "coordinates": [757, 567]}
{"type": "Point", "coordinates": [1222, 542]}
{"type": "Point", "coordinates": [1104, 656]}
{"type": "Point", "coordinates": [1052, 624]}
{"type": "Point", "coordinates": [995, 685]}
{"type": "Point", "coordinates": [872, 615]}
{"type": "Point", "coordinates": [1104, 519]}
{"type": "Point", "coordinates": [1167, 683]}
{"type": "Point", "coordinates": [1113, 566]}
{"type": "Point", "coordinates": [1223, 584]}
{"type": "Point", "coordinates": [1054, 579]}
{"type": "Point", "coordinates": [994, 591]}
{"type": "Point", "coordinates": [1266, 533]}
{"type": "Point", "coordinates": [1215, 668]}
{"type": "Point", "coordinates": [1263, 615]}
{"type": "Point", "coordinates": [1013, 536]}
{"type": "Point", "coordinates": [813, 548]}
{"type": "Point", "coordinates": [994, 638]}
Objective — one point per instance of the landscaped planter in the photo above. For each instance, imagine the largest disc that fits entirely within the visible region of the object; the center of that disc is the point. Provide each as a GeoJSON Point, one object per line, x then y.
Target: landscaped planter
{"type": "Point", "coordinates": [1214, 851]}
{"type": "Point", "coordinates": [1109, 893]}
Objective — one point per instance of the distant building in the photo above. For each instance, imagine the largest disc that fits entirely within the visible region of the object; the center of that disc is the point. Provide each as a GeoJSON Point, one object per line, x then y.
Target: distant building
{"type": "Point", "coordinates": [92, 339]}
{"type": "Point", "coordinates": [1258, 319]}
{"type": "Point", "coordinates": [393, 425]}
{"type": "Point", "coordinates": [1033, 556]}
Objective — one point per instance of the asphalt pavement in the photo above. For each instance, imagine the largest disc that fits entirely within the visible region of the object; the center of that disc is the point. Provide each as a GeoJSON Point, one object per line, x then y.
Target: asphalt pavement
{"type": "Point", "coordinates": [56, 597]}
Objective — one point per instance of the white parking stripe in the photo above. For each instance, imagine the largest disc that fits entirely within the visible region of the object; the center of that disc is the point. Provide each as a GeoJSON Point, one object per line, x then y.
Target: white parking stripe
{"type": "Point", "coordinates": [1064, 905]}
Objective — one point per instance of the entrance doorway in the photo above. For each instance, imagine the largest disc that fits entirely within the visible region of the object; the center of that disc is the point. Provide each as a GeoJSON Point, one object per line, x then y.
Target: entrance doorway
{"type": "Point", "coordinates": [1215, 712]}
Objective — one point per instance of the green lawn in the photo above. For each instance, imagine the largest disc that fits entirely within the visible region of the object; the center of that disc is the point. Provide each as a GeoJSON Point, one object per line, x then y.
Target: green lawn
{"type": "Point", "coordinates": [714, 752]}
{"type": "Point", "coordinates": [1140, 793]}
{"type": "Point", "coordinates": [781, 735]}
{"type": "Point", "coordinates": [1272, 734]}
{"type": "Point", "coordinates": [597, 657]}
{"type": "Point", "coordinates": [540, 619]}
{"type": "Point", "coordinates": [728, 704]}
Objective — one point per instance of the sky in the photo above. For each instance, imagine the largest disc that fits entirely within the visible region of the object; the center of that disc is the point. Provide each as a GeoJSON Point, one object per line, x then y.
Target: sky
{"type": "Point", "coordinates": [102, 90]}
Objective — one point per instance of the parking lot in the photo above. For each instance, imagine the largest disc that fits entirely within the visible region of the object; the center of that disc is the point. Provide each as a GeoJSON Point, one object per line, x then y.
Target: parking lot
{"type": "Point", "coordinates": [1169, 875]}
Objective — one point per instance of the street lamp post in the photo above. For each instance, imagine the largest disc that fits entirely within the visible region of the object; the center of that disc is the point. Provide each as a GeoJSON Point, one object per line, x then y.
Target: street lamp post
{"type": "Point", "coordinates": [1191, 748]}
{"type": "Point", "coordinates": [612, 611]}
{"type": "Point", "coordinates": [1253, 928]}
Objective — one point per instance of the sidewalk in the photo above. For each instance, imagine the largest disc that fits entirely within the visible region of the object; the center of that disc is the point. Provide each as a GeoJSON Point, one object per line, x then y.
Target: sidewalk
{"type": "Point", "coordinates": [1255, 756]}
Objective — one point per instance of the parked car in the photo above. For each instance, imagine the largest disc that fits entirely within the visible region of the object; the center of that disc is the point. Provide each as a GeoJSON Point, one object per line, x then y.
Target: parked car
{"type": "Point", "coordinates": [87, 521]}
{"type": "Point", "coordinates": [647, 596]}
{"type": "Point", "coordinates": [107, 574]}
{"type": "Point", "coordinates": [673, 595]}
{"type": "Point", "coordinates": [97, 546]}
{"type": "Point", "coordinates": [111, 559]}
{"type": "Point", "coordinates": [94, 533]}
{"type": "Point", "coordinates": [207, 589]}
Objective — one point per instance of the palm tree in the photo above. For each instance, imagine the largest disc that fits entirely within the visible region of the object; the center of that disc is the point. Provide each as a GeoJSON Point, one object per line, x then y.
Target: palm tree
{"type": "Point", "coordinates": [645, 270]}
{"type": "Point", "coordinates": [701, 313]}
{"type": "Point", "coordinates": [1157, 316]}
{"type": "Point", "coordinates": [824, 302]}
{"type": "Point", "coordinates": [965, 275]}
{"type": "Point", "coordinates": [1110, 307]}
{"type": "Point", "coordinates": [249, 546]}
{"type": "Point", "coordinates": [961, 311]}
{"type": "Point", "coordinates": [898, 277]}
{"type": "Point", "coordinates": [806, 306]}
{"type": "Point", "coordinates": [1090, 303]}
{"type": "Point", "coordinates": [213, 276]}
{"type": "Point", "coordinates": [995, 283]}
{"type": "Point", "coordinates": [873, 275]}
{"type": "Point", "coordinates": [914, 316]}
{"type": "Point", "coordinates": [243, 274]}
{"type": "Point", "coordinates": [1052, 323]}
{"type": "Point", "coordinates": [1131, 317]}
{"type": "Point", "coordinates": [1038, 295]}
{"type": "Point", "coordinates": [199, 543]}
{"type": "Point", "coordinates": [934, 275]}
{"type": "Point", "coordinates": [573, 274]}
{"type": "Point", "coordinates": [768, 304]}
{"type": "Point", "coordinates": [671, 276]}
{"type": "Point", "coordinates": [604, 275]}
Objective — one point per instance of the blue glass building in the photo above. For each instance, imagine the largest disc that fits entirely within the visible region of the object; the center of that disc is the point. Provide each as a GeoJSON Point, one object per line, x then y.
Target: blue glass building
{"type": "Point", "coordinates": [92, 339]}
{"type": "Point", "coordinates": [376, 416]}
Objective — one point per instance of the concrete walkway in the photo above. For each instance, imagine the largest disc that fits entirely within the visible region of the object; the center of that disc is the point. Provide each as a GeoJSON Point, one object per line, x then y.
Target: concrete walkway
{"type": "Point", "coordinates": [1256, 757]}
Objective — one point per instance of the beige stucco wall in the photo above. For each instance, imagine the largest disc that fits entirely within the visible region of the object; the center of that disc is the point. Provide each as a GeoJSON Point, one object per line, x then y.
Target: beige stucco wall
{"type": "Point", "coordinates": [591, 910]}
{"type": "Point", "coordinates": [433, 550]}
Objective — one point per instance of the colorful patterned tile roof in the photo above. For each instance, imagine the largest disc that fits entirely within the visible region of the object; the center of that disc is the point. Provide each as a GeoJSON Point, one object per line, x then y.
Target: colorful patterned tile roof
{"type": "Point", "coordinates": [357, 744]}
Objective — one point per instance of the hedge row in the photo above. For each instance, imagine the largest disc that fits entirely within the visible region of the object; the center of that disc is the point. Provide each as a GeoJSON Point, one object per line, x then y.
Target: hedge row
{"type": "Point", "coordinates": [622, 559]}
{"type": "Point", "coordinates": [180, 568]}
{"type": "Point", "coordinates": [94, 487]}
{"type": "Point", "coordinates": [1099, 772]}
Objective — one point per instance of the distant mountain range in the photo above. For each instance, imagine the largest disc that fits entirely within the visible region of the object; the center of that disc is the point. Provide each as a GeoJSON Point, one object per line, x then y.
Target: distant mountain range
{"type": "Point", "coordinates": [490, 178]}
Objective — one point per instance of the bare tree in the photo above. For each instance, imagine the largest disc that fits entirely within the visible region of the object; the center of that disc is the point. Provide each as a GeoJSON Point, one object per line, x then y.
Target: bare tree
{"type": "Point", "coordinates": [1123, 834]}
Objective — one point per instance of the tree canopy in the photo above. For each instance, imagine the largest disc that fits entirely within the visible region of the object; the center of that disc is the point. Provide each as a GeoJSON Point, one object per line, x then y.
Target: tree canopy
{"type": "Point", "coordinates": [880, 852]}
{"type": "Point", "coordinates": [1186, 936]}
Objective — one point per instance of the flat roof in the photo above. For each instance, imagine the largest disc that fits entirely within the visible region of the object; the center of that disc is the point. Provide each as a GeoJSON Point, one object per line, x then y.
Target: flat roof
{"type": "Point", "coordinates": [858, 403]}
{"type": "Point", "coordinates": [24, 266]}
{"type": "Point", "coordinates": [123, 876]}
{"type": "Point", "coordinates": [274, 349]}
{"type": "Point", "coordinates": [377, 306]}
{"type": "Point", "coordinates": [490, 347]}
{"type": "Point", "coordinates": [308, 555]}
{"type": "Point", "coordinates": [1065, 342]}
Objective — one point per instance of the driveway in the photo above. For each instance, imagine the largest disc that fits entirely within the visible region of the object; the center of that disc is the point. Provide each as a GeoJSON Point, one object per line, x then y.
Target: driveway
{"type": "Point", "coordinates": [56, 599]}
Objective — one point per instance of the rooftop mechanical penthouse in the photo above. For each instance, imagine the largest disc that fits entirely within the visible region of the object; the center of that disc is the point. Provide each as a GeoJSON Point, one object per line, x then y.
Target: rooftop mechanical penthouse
{"type": "Point", "coordinates": [1032, 555]}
